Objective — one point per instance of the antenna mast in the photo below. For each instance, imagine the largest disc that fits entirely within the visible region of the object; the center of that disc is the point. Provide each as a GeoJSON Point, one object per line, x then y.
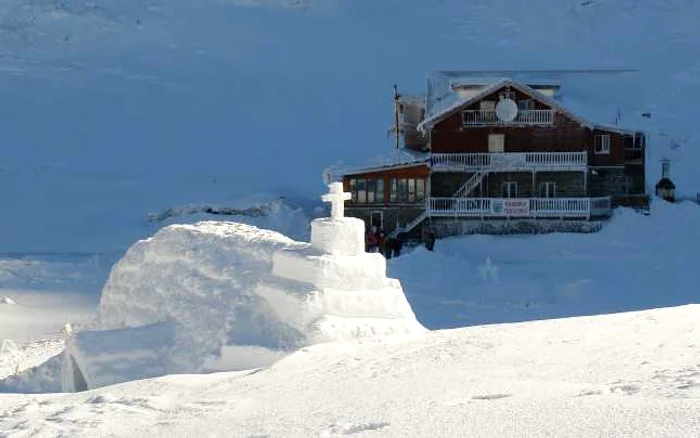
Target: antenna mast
{"type": "Point", "coordinates": [396, 117]}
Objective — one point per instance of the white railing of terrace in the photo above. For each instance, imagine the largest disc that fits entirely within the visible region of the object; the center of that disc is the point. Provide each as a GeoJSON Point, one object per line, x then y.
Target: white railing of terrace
{"type": "Point", "coordinates": [520, 207]}
{"type": "Point", "coordinates": [488, 117]}
{"type": "Point", "coordinates": [508, 160]}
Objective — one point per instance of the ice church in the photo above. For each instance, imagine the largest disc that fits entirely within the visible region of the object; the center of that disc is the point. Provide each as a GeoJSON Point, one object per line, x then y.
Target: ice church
{"type": "Point", "coordinates": [225, 296]}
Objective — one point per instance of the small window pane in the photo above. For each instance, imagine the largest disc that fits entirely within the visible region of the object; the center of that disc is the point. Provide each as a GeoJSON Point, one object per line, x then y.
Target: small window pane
{"type": "Point", "coordinates": [411, 190]}
{"type": "Point", "coordinates": [393, 195]}
{"type": "Point", "coordinates": [361, 191]}
{"type": "Point", "coordinates": [403, 190]}
{"type": "Point", "coordinates": [380, 190]}
{"type": "Point", "coordinates": [420, 189]}
{"type": "Point", "coordinates": [371, 189]}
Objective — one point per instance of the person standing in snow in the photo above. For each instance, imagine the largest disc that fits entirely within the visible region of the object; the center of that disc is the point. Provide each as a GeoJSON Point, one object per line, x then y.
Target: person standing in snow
{"type": "Point", "coordinates": [429, 238]}
{"type": "Point", "coordinates": [372, 239]}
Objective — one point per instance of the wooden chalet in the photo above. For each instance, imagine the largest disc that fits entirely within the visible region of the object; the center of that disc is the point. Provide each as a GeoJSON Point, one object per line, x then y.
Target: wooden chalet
{"type": "Point", "coordinates": [501, 150]}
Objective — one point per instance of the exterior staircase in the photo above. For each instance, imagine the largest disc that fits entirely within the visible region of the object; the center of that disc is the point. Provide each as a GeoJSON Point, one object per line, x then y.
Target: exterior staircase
{"type": "Point", "coordinates": [411, 225]}
{"type": "Point", "coordinates": [472, 183]}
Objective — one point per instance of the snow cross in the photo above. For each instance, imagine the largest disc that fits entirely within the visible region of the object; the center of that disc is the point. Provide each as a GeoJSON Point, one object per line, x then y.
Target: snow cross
{"type": "Point", "coordinates": [337, 199]}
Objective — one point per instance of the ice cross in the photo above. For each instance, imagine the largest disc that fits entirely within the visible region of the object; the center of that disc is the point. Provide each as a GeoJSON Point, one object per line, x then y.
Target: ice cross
{"type": "Point", "coordinates": [337, 199]}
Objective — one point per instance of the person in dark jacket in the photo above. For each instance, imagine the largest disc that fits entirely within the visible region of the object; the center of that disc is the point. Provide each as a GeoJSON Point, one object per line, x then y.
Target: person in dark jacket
{"type": "Point", "coordinates": [387, 248]}
{"type": "Point", "coordinates": [429, 238]}
{"type": "Point", "coordinates": [397, 244]}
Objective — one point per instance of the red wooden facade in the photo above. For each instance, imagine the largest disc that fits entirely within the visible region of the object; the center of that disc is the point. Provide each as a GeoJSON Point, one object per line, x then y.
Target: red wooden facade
{"type": "Point", "coordinates": [604, 161]}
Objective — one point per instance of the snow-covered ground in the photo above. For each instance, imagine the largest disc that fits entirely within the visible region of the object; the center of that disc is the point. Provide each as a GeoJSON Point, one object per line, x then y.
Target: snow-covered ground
{"type": "Point", "coordinates": [121, 117]}
{"type": "Point", "coordinates": [636, 262]}
{"type": "Point", "coordinates": [635, 374]}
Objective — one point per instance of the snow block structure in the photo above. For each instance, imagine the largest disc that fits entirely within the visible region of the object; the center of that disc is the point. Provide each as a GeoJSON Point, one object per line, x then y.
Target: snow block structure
{"type": "Point", "coordinates": [334, 290]}
{"type": "Point", "coordinates": [227, 296]}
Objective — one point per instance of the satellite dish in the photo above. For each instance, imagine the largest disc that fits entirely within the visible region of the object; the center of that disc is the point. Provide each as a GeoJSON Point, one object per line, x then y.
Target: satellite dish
{"type": "Point", "coordinates": [506, 110]}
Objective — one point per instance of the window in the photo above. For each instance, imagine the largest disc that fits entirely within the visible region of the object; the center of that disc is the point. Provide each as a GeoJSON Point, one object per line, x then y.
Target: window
{"type": "Point", "coordinates": [371, 190]}
{"type": "Point", "coordinates": [526, 104]}
{"type": "Point", "coordinates": [411, 190]}
{"type": "Point", "coordinates": [379, 195]}
{"type": "Point", "coordinates": [407, 190]}
{"type": "Point", "coordinates": [403, 190]}
{"type": "Point", "coordinates": [497, 142]}
{"type": "Point", "coordinates": [509, 189]}
{"type": "Point", "coordinates": [361, 191]}
{"type": "Point", "coordinates": [366, 190]}
{"type": "Point", "coordinates": [602, 144]}
{"type": "Point", "coordinates": [487, 105]}
{"type": "Point", "coordinates": [548, 189]}
{"type": "Point", "coordinates": [420, 190]}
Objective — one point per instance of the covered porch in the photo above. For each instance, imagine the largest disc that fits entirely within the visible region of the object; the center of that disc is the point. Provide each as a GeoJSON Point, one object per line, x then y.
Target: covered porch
{"type": "Point", "coordinates": [508, 161]}
{"type": "Point", "coordinates": [569, 208]}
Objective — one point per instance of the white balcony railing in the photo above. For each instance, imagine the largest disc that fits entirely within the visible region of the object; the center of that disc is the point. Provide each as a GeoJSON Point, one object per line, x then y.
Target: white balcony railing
{"type": "Point", "coordinates": [508, 160]}
{"type": "Point", "coordinates": [520, 207]}
{"type": "Point", "coordinates": [527, 117]}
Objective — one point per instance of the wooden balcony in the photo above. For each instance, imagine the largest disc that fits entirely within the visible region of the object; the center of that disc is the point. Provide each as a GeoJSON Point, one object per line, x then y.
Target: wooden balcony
{"type": "Point", "coordinates": [509, 161]}
{"type": "Point", "coordinates": [555, 208]}
{"type": "Point", "coordinates": [524, 117]}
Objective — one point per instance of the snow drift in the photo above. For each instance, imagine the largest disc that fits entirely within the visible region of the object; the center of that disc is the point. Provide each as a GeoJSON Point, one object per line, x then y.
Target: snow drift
{"type": "Point", "coordinates": [226, 296]}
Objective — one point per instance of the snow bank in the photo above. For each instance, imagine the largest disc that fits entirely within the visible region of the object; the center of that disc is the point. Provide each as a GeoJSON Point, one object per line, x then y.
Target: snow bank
{"type": "Point", "coordinates": [226, 296]}
{"type": "Point", "coordinates": [201, 277]}
{"type": "Point", "coordinates": [7, 300]}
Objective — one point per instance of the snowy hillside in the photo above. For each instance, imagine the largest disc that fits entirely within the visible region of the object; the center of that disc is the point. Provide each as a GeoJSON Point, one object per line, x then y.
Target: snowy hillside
{"type": "Point", "coordinates": [114, 110]}
{"type": "Point", "coordinates": [634, 374]}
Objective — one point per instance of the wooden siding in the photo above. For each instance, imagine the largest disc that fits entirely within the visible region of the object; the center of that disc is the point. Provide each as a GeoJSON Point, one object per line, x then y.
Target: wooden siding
{"type": "Point", "coordinates": [564, 135]}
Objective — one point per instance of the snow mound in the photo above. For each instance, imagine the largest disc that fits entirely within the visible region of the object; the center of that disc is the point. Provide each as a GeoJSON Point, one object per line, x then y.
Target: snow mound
{"type": "Point", "coordinates": [7, 300]}
{"type": "Point", "coordinates": [229, 296]}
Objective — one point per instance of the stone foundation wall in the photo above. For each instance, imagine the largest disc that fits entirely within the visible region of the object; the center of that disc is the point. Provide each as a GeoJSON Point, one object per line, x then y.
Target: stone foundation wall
{"type": "Point", "coordinates": [449, 227]}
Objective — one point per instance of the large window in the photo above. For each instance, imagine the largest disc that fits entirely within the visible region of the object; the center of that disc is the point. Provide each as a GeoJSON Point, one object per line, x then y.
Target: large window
{"type": "Point", "coordinates": [548, 189]}
{"type": "Point", "coordinates": [509, 189]}
{"type": "Point", "coordinates": [602, 144]}
{"type": "Point", "coordinates": [370, 191]}
{"type": "Point", "coordinates": [407, 190]}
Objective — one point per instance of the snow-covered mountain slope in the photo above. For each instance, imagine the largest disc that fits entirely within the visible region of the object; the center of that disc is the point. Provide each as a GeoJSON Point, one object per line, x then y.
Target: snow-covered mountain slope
{"type": "Point", "coordinates": [634, 374]}
{"type": "Point", "coordinates": [113, 110]}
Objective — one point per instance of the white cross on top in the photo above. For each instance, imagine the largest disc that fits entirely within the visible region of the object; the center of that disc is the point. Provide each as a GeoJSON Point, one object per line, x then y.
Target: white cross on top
{"type": "Point", "coordinates": [337, 198]}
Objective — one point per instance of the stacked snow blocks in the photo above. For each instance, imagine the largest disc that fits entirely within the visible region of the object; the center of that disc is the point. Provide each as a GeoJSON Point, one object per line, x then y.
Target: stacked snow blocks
{"type": "Point", "coordinates": [333, 290]}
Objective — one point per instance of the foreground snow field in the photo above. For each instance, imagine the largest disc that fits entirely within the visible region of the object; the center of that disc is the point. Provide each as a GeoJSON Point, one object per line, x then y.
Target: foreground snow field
{"type": "Point", "coordinates": [634, 374]}
{"type": "Point", "coordinates": [636, 262]}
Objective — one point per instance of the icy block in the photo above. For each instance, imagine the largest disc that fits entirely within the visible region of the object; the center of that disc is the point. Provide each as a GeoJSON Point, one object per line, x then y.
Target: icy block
{"type": "Point", "coordinates": [364, 271]}
{"type": "Point", "coordinates": [340, 236]}
{"type": "Point", "coordinates": [300, 304]}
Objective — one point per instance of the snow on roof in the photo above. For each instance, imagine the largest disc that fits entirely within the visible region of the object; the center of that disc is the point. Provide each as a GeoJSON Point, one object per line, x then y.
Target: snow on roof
{"type": "Point", "coordinates": [481, 81]}
{"type": "Point", "coordinates": [584, 115]}
{"type": "Point", "coordinates": [396, 158]}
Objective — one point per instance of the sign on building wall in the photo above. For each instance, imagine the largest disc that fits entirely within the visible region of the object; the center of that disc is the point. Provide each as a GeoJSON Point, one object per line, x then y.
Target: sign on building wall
{"type": "Point", "coordinates": [511, 207]}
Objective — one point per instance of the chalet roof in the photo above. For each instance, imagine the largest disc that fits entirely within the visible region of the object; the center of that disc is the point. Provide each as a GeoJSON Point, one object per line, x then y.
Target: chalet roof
{"type": "Point", "coordinates": [467, 81]}
{"type": "Point", "coordinates": [445, 112]}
